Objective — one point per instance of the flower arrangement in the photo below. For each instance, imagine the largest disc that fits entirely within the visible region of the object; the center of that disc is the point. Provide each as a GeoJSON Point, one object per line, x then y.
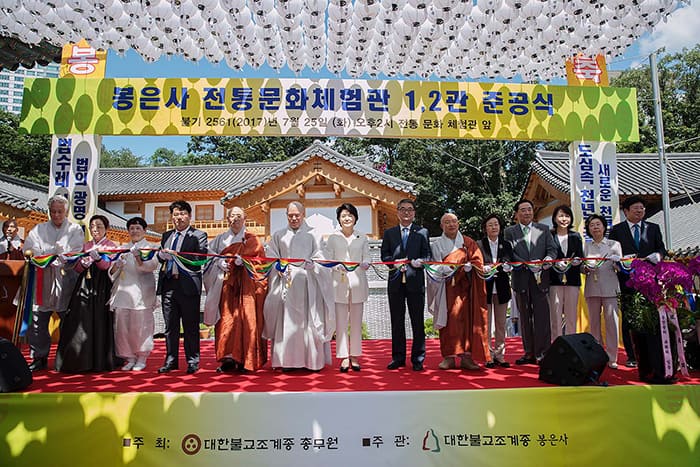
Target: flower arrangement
{"type": "Point", "coordinates": [661, 285]}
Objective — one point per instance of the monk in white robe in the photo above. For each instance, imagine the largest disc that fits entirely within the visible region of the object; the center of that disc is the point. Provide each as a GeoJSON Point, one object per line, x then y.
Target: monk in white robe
{"type": "Point", "coordinates": [299, 307]}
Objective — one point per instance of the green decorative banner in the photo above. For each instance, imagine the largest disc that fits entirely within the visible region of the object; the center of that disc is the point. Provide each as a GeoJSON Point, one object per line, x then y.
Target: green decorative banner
{"type": "Point", "coordinates": [329, 107]}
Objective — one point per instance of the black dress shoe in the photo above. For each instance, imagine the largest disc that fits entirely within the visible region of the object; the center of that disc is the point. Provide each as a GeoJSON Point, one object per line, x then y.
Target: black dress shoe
{"type": "Point", "coordinates": [526, 359]}
{"type": "Point", "coordinates": [355, 366]}
{"type": "Point", "coordinates": [39, 364]}
{"type": "Point", "coordinates": [418, 366]}
{"type": "Point", "coordinates": [167, 368]}
{"type": "Point", "coordinates": [502, 363]}
{"type": "Point", "coordinates": [192, 368]}
{"type": "Point", "coordinates": [227, 365]}
{"type": "Point", "coordinates": [490, 364]}
{"type": "Point", "coordinates": [394, 365]}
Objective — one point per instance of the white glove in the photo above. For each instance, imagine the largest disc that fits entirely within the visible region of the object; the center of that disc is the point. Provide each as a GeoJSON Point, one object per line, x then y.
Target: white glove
{"type": "Point", "coordinates": [308, 264]}
{"type": "Point", "coordinates": [135, 250]}
{"type": "Point", "coordinates": [546, 265]}
{"type": "Point", "coordinates": [364, 265]}
{"type": "Point", "coordinates": [222, 264]}
{"type": "Point", "coordinates": [120, 262]}
{"type": "Point", "coordinates": [614, 258]}
{"type": "Point", "coordinates": [94, 255]}
{"type": "Point", "coordinates": [86, 261]}
{"type": "Point", "coordinates": [576, 262]}
{"type": "Point", "coordinates": [58, 249]}
{"type": "Point", "coordinates": [561, 264]}
{"type": "Point", "coordinates": [416, 263]}
{"type": "Point", "coordinates": [56, 263]}
{"type": "Point", "coordinates": [487, 268]}
{"type": "Point", "coordinates": [535, 268]}
{"type": "Point", "coordinates": [164, 255]}
{"type": "Point", "coordinates": [61, 259]}
{"type": "Point", "coordinates": [468, 267]}
{"type": "Point", "coordinates": [507, 267]}
{"type": "Point", "coordinates": [339, 268]}
{"type": "Point", "coordinates": [237, 260]}
{"type": "Point", "coordinates": [653, 258]}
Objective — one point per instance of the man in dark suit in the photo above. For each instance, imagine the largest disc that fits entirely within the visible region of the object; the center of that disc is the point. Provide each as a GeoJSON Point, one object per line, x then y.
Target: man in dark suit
{"type": "Point", "coordinates": [406, 284]}
{"type": "Point", "coordinates": [180, 287]}
{"type": "Point", "coordinates": [531, 241]}
{"type": "Point", "coordinates": [643, 240]}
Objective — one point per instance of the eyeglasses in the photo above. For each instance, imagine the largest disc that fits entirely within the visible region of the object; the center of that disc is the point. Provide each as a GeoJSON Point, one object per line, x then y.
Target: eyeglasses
{"type": "Point", "coordinates": [406, 209]}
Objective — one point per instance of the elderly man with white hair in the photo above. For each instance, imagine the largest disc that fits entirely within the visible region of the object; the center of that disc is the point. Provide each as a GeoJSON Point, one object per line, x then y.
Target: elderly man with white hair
{"type": "Point", "coordinates": [55, 237]}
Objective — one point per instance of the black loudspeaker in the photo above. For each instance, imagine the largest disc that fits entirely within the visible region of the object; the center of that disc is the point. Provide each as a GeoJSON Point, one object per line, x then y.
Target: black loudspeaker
{"type": "Point", "coordinates": [573, 360]}
{"type": "Point", "coordinates": [14, 371]}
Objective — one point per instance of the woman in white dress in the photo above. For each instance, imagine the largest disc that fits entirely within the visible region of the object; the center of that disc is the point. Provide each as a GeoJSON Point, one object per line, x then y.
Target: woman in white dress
{"type": "Point", "coordinates": [351, 289]}
{"type": "Point", "coordinates": [602, 287]}
{"type": "Point", "coordinates": [134, 299]}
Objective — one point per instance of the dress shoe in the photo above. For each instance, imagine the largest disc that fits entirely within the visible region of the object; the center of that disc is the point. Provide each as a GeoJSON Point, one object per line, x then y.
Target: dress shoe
{"type": "Point", "coordinates": [130, 362]}
{"type": "Point", "coordinates": [227, 365]}
{"type": "Point", "coordinates": [447, 364]}
{"type": "Point", "coordinates": [345, 366]}
{"type": "Point", "coordinates": [468, 364]}
{"type": "Point", "coordinates": [192, 368]}
{"type": "Point", "coordinates": [612, 365]}
{"type": "Point", "coordinates": [140, 364]}
{"type": "Point", "coordinates": [502, 363]}
{"type": "Point", "coordinates": [490, 364]}
{"type": "Point", "coordinates": [355, 366]}
{"type": "Point", "coordinates": [418, 366]}
{"type": "Point", "coordinates": [38, 364]}
{"type": "Point", "coordinates": [525, 359]}
{"type": "Point", "coordinates": [631, 364]}
{"type": "Point", "coordinates": [168, 367]}
{"type": "Point", "coordinates": [395, 365]}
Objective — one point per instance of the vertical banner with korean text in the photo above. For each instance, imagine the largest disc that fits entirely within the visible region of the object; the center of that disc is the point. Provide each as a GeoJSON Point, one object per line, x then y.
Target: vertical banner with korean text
{"type": "Point", "coordinates": [594, 190]}
{"type": "Point", "coordinates": [75, 158]}
{"type": "Point", "coordinates": [594, 185]}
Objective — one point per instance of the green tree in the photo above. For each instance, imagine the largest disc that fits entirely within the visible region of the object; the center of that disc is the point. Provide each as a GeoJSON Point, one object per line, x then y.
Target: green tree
{"type": "Point", "coordinates": [226, 149]}
{"type": "Point", "coordinates": [679, 84]}
{"type": "Point", "coordinates": [23, 156]}
{"type": "Point", "coordinates": [122, 157]}
{"type": "Point", "coordinates": [163, 157]}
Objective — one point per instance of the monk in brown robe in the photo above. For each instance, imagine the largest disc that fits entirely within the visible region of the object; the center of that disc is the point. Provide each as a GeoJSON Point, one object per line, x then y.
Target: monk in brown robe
{"type": "Point", "coordinates": [238, 330]}
{"type": "Point", "coordinates": [458, 303]}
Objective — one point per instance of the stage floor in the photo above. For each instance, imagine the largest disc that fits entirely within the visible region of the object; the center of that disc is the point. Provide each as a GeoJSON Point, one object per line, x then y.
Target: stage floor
{"type": "Point", "coordinates": [373, 377]}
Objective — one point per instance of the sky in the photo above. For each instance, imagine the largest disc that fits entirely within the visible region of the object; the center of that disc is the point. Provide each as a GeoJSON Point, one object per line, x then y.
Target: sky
{"type": "Point", "coordinates": [677, 33]}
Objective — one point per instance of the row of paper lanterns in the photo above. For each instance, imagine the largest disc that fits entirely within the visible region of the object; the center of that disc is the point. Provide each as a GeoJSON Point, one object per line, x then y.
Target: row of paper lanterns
{"type": "Point", "coordinates": [449, 38]}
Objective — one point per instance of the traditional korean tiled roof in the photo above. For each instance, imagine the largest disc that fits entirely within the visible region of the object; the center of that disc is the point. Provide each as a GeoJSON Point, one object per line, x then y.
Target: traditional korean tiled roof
{"type": "Point", "coordinates": [29, 196]}
{"type": "Point", "coordinates": [14, 53]}
{"type": "Point", "coordinates": [638, 174]}
{"type": "Point", "coordinates": [684, 229]}
{"type": "Point", "coordinates": [190, 178]}
{"type": "Point", "coordinates": [318, 149]}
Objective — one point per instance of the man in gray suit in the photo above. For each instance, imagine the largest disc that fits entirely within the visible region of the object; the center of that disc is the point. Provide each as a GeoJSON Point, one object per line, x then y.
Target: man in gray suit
{"type": "Point", "coordinates": [531, 241]}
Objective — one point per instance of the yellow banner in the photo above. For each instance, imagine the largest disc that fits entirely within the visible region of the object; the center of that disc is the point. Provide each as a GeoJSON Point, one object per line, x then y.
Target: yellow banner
{"type": "Point", "coordinates": [557, 426]}
{"type": "Point", "coordinates": [329, 107]}
{"type": "Point", "coordinates": [80, 60]}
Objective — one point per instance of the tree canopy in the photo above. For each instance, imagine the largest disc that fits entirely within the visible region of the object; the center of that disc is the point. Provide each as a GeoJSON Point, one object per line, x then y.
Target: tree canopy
{"type": "Point", "coordinates": [122, 157]}
{"type": "Point", "coordinates": [23, 156]}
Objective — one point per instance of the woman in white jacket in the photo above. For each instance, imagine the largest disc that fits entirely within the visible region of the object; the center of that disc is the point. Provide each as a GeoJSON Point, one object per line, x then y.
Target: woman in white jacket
{"type": "Point", "coordinates": [351, 289]}
{"type": "Point", "coordinates": [134, 299]}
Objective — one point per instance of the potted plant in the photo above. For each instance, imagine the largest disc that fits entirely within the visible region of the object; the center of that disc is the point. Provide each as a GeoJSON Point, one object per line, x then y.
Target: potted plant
{"type": "Point", "coordinates": [205, 332]}
{"type": "Point", "coordinates": [652, 314]}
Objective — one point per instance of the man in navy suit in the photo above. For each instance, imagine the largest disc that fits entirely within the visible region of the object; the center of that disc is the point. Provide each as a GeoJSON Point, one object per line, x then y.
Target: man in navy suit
{"type": "Point", "coordinates": [406, 284]}
{"type": "Point", "coordinates": [643, 240]}
{"type": "Point", "coordinates": [181, 287]}
{"type": "Point", "coordinates": [531, 242]}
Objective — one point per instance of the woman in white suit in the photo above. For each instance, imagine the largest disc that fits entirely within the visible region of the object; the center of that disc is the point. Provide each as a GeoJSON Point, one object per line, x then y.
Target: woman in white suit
{"type": "Point", "coordinates": [351, 289]}
{"type": "Point", "coordinates": [601, 287]}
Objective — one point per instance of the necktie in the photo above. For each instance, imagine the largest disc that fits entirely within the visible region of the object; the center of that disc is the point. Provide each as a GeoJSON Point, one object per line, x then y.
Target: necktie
{"type": "Point", "coordinates": [526, 235]}
{"type": "Point", "coordinates": [636, 236]}
{"type": "Point", "coordinates": [171, 271]}
{"type": "Point", "coordinates": [404, 237]}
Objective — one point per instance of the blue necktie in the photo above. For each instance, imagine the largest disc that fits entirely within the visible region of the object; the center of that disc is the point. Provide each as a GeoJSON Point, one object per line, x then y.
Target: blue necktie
{"type": "Point", "coordinates": [636, 236]}
{"type": "Point", "coordinates": [171, 263]}
{"type": "Point", "coordinates": [404, 237]}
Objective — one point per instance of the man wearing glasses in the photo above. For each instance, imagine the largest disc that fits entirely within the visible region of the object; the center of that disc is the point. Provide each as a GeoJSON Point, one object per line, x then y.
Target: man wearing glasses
{"type": "Point", "coordinates": [406, 284]}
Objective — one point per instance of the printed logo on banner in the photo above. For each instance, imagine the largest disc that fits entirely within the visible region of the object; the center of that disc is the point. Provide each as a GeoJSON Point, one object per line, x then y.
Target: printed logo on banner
{"type": "Point", "coordinates": [191, 444]}
{"type": "Point", "coordinates": [430, 441]}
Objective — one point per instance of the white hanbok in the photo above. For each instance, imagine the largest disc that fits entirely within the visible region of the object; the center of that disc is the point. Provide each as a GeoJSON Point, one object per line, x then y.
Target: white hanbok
{"type": "Point", "coordinates": [299, 307]}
